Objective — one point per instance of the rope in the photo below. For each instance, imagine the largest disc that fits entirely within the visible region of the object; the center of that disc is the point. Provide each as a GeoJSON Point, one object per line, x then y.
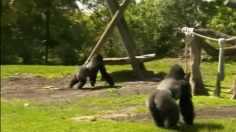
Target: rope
{"type": "Point", "coordinates": [189, 33]}
{"type": "Point", "coordinates": [186, 57]}
{"type": "Point", "coordinates": [221, 68]}
{"type": "Point", "coordinates": [188, 39]}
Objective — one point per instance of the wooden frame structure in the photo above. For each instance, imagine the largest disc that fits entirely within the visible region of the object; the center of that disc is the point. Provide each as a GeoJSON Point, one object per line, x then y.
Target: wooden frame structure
{"type": "Point", "coordinates": [116, 11]}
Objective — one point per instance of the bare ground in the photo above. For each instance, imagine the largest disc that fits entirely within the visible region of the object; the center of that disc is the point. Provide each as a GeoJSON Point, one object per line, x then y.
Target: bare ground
{"type": "Point", "coordinates": [43, 89]}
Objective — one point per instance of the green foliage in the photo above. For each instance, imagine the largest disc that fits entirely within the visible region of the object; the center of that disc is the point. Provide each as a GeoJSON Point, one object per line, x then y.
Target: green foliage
{"type": "Point", "coordinates": [73, 33]}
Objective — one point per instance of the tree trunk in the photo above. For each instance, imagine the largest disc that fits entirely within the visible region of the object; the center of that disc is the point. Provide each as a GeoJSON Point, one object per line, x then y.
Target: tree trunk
{"type": "Point", "coordinates": [47, 32]}
{"type": "Point", "coordinates": [195, 76]}
{"type": "Point", "coordinates": [230, 4]}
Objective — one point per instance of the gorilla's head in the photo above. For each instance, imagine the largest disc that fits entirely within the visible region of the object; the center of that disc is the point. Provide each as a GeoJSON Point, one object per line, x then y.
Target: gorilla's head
{"type": "Point", "coordinates": [176, 72]}
{"type": "Point", "coordinates": [97, 56]}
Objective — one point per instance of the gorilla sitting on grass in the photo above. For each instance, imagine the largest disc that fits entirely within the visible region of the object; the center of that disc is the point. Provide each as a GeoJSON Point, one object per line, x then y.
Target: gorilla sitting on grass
{"type": "Point", "coordinates": [91, 69]}
{"type": "Point", "coordinates": [162, 104]}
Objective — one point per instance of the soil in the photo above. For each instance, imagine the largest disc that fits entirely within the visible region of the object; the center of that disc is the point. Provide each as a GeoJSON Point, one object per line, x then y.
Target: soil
{"type": "Point", "coordinates": [43, 89]}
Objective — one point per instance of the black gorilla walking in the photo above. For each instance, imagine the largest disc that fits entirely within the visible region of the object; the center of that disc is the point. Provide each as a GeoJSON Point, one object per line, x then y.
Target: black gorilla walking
{"type": "Point", "coordinates": [91, 69]}
{"type": "Point", "coordinates": [96, 64]}
{"type": "Point", "coordinates": [162, 101]}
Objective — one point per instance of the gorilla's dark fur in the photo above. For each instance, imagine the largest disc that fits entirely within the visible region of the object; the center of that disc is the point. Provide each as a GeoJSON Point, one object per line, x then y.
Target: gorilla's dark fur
{"type": "Point", "coordinates": [163, 108]}
{"type": "Point", "coordinates": [162, 102]}
{"type": "Point", "coordinates": [80, 77]}
{"type": "Point", "coordinates": [91, 69]}
{"type": "Point", "coordinates": [96, 64]}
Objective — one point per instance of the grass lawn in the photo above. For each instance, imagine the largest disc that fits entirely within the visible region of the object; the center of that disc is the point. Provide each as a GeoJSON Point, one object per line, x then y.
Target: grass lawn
{"type": "Point", "coordinates": [30, 116]}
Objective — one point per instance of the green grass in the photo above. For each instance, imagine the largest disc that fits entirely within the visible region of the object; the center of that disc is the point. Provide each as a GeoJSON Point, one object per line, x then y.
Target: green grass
{"type": "Point", "coordinates": [52, 116]}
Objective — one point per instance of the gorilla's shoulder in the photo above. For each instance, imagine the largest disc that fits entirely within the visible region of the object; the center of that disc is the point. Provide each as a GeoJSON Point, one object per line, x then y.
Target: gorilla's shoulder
{"type": "Point", "coordinates": [97, 56]}
{"type": "Point", "coordinates": [176, 72]}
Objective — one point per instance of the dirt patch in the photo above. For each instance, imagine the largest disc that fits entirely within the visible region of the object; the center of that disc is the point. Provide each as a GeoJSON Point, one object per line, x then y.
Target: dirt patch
{"type": "Point", "coordinates": [212, 113]}
{"type": "Point", "coordinates": [43, 89]}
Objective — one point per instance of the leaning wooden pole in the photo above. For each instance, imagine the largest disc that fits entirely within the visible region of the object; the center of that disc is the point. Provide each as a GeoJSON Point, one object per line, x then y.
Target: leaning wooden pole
{"type": "Point", "coordinates": [108, 31]}
{"type": "Point", "coordinates": [109, 28]}
{"type": "Point", "coordinates": [123, 30]}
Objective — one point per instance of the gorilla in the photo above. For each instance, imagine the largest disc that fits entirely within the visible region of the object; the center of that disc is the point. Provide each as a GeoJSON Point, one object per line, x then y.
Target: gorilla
{"type": "Point", "coordinates": [96, 64]}
{"type": "Point", "coordinates": [90, 70]}
{"type": "Point", "coordinates": [162, 104]}
{"type": "Point", "coordinates": [80, 77]}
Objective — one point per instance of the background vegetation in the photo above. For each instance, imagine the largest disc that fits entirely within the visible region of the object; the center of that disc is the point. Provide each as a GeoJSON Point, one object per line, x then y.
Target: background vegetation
{"type": "Point", "coordinates": [73, 33]}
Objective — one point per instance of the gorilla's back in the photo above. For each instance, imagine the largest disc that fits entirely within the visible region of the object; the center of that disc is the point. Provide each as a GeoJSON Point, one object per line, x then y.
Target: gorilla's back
{"type": "Point", "coordinates": [173, 85]}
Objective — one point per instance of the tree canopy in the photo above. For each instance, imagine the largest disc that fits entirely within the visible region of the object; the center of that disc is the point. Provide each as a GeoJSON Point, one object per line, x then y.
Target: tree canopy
{"type": "Point", "coordinates": [73, 32]}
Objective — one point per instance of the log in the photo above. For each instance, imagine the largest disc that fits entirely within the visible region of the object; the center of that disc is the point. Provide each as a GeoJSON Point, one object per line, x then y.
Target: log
{"type": "Point", "coordinates": [126, 60]}
{"type": "Point", "coordinates": [215, 34]}
{"type": "Point", "coordinates": [230, 4]}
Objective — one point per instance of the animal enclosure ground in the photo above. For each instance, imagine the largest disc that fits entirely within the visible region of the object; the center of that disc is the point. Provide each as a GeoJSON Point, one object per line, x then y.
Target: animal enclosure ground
{"type": "Point", "coordinates": [42, 89]}
{"type": "Point", "coordinates": [32, 101]}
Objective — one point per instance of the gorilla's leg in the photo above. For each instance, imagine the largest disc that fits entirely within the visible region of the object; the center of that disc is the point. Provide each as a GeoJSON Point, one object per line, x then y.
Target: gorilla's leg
{"type": "Point", "coordinates": [105, 75]}
{"type": "Point", "coordinates": [93, 77]}
{"type": "Point", "coordinates": [173, 116]}
{"type": "Point", "coordinates": [73, 81]}
{"type": "Point", "coordinates": [187, 110]}
{"type": "Point", "coordinates": [158, 119]}
{"type": "Point", "coordinates": [81, 83]}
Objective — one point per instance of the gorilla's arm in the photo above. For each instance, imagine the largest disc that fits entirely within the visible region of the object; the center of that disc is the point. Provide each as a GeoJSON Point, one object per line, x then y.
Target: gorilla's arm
{"type": "Point", "coordinates": [186, 104]}
{"type": "Point", "coordinates": [93, 76]}
{"type": "Point", "coordinates": [73, 81]}
{"type": "Point", "coordinates": [105, 75]}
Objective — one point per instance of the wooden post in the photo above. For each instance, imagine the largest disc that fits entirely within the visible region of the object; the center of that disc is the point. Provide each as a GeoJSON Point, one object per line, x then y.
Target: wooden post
{"type": "Point", "coordinates": [128, 48]}
{"type": "Point", "coordinates": [109, 28]}
{"type": "Point", "coordinates": [123, 29]}
{"type": "Point", "coordinates": [196, 82]}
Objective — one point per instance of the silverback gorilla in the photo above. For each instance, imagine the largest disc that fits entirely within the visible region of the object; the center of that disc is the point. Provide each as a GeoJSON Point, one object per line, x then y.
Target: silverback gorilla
{"type": "Point", "coordinates": [162, 104]}
{"type": "Point", "coordinates": [91, 69]}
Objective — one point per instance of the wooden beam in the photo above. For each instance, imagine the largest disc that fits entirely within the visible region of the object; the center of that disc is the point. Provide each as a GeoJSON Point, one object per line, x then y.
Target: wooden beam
{"type": "Point", "coordinates": [122, 25]}
{"type": "Point", "coordinates": [127, 60]}
{"type": "Point", "coordinates": [125, 36]}
{"type": "Point", "coordinates": [109, 28]}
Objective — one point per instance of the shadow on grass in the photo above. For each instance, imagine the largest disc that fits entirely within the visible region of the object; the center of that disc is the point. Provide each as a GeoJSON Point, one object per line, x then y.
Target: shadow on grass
{"type": "Point", "coordinates": [99, 88]}
{"type": "Point", "coordinates": [197, 127]}
{"type": "Point", "coordinates": [129, 75]}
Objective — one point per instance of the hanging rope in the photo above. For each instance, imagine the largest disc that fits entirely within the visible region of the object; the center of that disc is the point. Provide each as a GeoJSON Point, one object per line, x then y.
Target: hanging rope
{"type": "Point", "coordinates": [221, 69]}
{"type": "Point", "coordinates": [189, 32]}
{"type": "Point", "coordinates": [188, 39]}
